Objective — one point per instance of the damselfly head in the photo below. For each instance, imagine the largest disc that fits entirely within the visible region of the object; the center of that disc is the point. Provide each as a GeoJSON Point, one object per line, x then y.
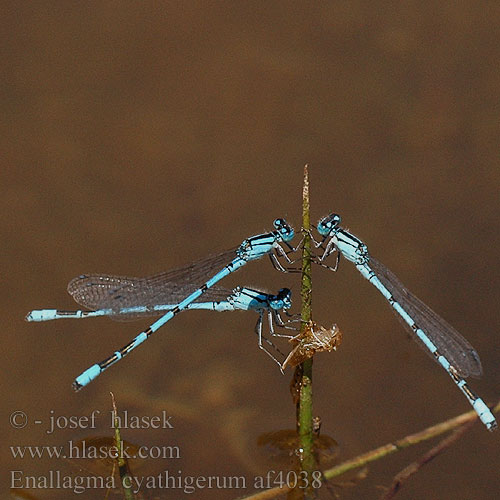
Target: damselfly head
{"type": "Point", "coordinates": [286, 231]}
{"type": "Point", "coordinates": [284, 297]}
{"type": "Point", "coordinates": [328, 224]}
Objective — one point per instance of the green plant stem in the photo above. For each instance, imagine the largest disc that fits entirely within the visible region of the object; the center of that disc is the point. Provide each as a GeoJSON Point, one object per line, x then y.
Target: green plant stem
{"type": "Point", "coordinates": [123, 468]}
{"type": "Point", "coordinates": [305, 404]}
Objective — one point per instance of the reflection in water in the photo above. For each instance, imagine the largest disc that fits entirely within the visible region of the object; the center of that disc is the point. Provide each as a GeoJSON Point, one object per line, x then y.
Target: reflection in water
{"type": "Point", "coordinates": [281, 450]}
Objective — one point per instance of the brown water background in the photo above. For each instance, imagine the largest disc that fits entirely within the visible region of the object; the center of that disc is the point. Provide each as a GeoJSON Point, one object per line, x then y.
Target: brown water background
{"type": "Point", "coordinates": [138, 136]}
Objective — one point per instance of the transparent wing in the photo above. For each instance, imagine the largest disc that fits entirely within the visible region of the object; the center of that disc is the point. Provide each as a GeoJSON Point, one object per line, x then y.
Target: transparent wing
{"type": "Point", "coordinates": [449, 342]}
{"type": "Point", "coordinates": [96, 291]}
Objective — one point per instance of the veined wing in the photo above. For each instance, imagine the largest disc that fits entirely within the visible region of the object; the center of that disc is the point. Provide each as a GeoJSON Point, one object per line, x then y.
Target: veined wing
{"type": "Point", "coordinates": [448, 341]}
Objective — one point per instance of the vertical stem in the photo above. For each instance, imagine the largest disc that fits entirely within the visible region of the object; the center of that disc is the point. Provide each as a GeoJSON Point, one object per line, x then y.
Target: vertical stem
{"type": "Point", "coordinates": [306, 290]}
{"type": "Point", "coordinates": [305, 405]}
{"type": "Point", "coordinates": [123, 469]}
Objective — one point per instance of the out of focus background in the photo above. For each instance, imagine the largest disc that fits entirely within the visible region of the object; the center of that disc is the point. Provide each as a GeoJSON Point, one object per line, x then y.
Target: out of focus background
{"type": "Point", "coordinates": [139, 136]}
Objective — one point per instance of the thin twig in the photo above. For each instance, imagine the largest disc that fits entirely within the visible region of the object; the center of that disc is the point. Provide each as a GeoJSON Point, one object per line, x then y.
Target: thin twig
{"type": "Point", "coordinates": [414, 467]}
